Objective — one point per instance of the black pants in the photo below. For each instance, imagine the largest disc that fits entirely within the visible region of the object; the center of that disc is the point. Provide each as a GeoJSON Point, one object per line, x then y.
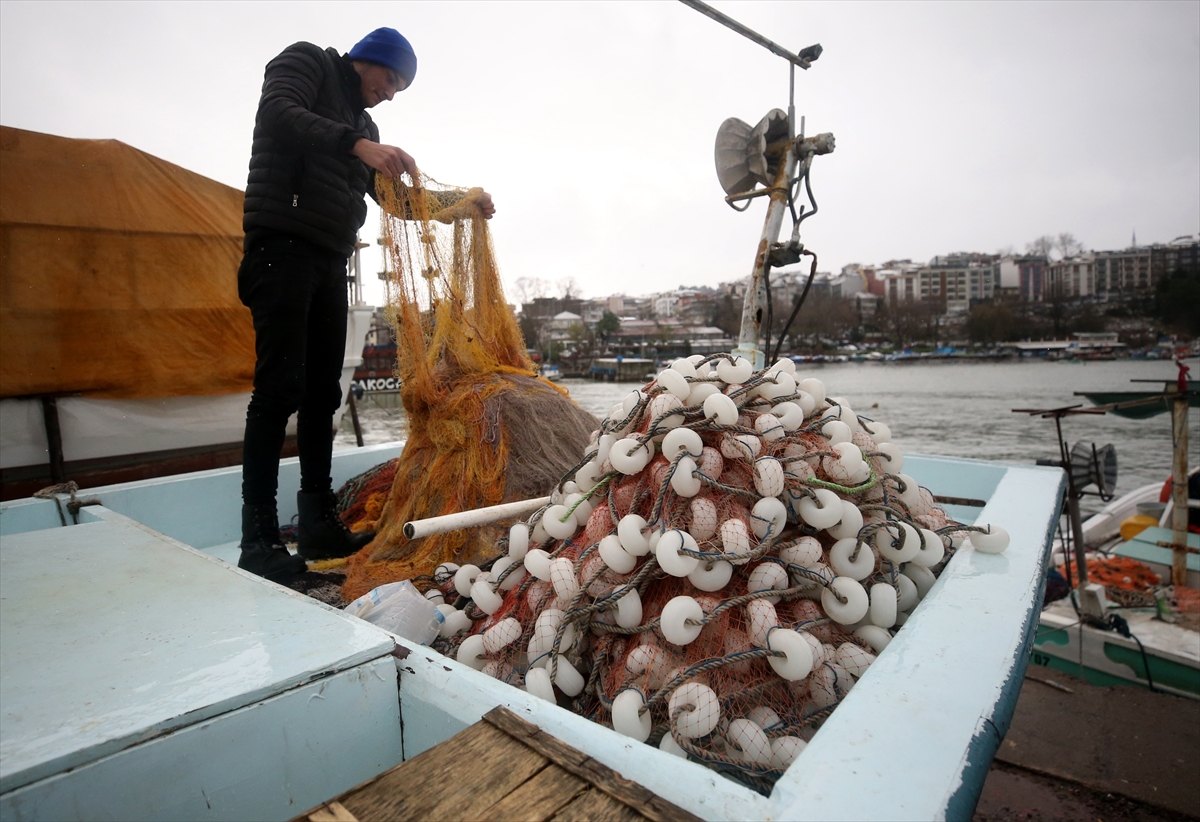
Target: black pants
{"type": "Point", "coordinates": [296, 292]}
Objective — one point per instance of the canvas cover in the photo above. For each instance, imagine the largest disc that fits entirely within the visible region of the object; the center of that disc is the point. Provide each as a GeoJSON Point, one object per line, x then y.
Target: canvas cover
{"type": "Point", "coordinates": [118, 273]}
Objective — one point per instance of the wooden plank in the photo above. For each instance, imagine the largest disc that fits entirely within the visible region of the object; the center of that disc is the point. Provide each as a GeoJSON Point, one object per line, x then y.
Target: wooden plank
{"type": "Point", "coordinates": [458, 779]}
{"type": "Point", "coordinates": [331, 812]}
{"type": "Point", "coordinates": [597, 806]}
{"type": "Point", "coordinates": [539, 798]}
{"type": "Point", "coordinates": [630, 793]}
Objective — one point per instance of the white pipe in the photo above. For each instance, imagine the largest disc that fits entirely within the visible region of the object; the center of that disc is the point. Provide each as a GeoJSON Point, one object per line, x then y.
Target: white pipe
{"type": "Point", "coordinates": [470, 519]}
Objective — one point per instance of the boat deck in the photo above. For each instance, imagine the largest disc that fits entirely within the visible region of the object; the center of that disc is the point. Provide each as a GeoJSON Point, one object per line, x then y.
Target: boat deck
{"type": "Point", "coordinates": [132, 659]}
{"type": "Point", "coordinates": [502, 767]}
{"type": "Point", "coordinates": [1149, 546]}
{"type": "Point", "coordinates": [1104, 657]}
{"type": "Point", "coordinates": [146, 679]}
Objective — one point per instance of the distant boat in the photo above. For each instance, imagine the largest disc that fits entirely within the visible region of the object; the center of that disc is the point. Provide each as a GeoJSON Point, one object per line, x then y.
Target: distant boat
{"type": "Point", "coordinates": [377, 371]}
{"type": "Point", "coordinates": [1140, 412]}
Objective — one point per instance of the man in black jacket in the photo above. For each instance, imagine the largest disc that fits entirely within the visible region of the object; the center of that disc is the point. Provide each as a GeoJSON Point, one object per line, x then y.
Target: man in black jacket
{"type": "Point", "coordinates": [313, 159]}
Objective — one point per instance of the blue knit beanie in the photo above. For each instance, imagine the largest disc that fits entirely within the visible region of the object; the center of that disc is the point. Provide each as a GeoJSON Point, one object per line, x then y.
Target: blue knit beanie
{"type": "Point", "coordinates": [387, 47]}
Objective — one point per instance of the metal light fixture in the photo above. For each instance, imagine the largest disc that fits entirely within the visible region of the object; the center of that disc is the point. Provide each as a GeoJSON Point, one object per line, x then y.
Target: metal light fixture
{"type": "Point", "coordinates": [741, 151]}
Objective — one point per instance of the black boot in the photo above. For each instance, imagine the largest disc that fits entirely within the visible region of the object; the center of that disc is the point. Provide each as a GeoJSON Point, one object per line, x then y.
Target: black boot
{"type": "Point", "coordinates": [263, 552]}
{"type": "Point", "coordinates": [323, 535]}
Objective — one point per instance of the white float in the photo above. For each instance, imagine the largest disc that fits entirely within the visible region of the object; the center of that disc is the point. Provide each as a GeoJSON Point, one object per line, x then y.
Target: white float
{"type": "Point", "coordinates": [995, 541]}
{"type": "Point", "coordinates": [675, 618]}
{"type": "Point", "coordinates": [695, 708]}
{"type": "Point", "coordinates": [797, 661]}
{"type": "Point", "coordinates": [615, 556]}
{"type": "Point", "coordinates": [856, 602]}
{"type": "Point", "coordinates": [629, 715]}
{"type": "Point", "coordinates": [669, 558]}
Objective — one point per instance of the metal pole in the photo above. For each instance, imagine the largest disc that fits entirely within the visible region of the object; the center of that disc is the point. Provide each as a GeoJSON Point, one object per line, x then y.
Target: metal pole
{"type": "Point", "coordinates": [754, 306]}
{"type": "Point", "coordinates": [469, 519]}
{"type": "Point", "coordinates": [1179, 495]}
{"type": "Point", "coordinates": [54, 445]}
{"type": "Point", "coordinates": [1073, 511]}
{"type": "Point", "coordinates": [358, 437]}
{"type": "Point", "coordinates": [749, 34]}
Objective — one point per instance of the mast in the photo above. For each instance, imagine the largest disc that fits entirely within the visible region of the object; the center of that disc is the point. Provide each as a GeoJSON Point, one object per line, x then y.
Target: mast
{"type": "Point", "coordinates": [790, 153]}
{"type": "Point", "coordinates": [1179, 473]}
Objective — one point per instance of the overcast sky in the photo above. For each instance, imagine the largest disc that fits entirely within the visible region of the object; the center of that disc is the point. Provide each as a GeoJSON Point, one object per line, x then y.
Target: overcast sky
{"type": "Point", "coordinates": [960, 126]}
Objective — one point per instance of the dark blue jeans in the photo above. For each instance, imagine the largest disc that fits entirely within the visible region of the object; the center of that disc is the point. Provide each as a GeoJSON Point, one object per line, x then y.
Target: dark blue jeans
{"type": "Point", "coordinates": [296, 293]}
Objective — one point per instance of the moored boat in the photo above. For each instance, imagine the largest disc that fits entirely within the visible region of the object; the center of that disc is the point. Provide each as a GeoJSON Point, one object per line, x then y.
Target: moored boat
{"type": "Point", "coordinates": [227, 738]}
{"type": "Point", "coordinates": [1122, 630]}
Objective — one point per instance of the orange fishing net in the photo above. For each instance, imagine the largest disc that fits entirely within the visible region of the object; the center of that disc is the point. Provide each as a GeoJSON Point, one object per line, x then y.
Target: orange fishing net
{"type": "Point", "coordinates": [719, 570]}
{"type": "Point", "coordinates": [1122, 572]}
{"type": "Point", "coordinates": [1186, 600]}
{"type": "Point", "coordinates": [471, 394]}
{"type": "Point", "coordinates": [1127, 581]}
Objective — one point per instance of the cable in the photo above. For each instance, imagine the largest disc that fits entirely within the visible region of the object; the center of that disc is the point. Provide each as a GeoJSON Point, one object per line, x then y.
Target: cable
{"type": "Point", "coordinates": [767, 283]}
{"type": "Point", "coordinates": [811, 199]}
{"type": "Point", "coordinates": [1121, 626]}
{"type": "Point", "coordinates": [799, 302]}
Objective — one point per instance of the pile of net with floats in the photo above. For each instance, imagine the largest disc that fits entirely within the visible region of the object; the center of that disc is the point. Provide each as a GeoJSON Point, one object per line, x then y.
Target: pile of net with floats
{"type": "Point", "coordinates": [483, 427]}
{"type": "Point", "coordinates": [716, 572]}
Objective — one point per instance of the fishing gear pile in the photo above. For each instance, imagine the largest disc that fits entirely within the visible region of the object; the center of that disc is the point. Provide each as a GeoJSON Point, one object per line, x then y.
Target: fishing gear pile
{"type": "Point", "coordinates": [483, 427]}
{"type": "Point", "coordinates": [716, 573]}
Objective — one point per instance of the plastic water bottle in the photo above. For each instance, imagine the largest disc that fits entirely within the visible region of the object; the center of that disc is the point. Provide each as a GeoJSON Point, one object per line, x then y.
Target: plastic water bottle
{"type": "Point", "coordinates": [399, 607]}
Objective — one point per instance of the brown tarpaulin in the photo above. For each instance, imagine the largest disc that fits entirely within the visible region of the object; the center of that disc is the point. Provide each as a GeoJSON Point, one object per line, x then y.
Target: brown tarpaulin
{"type": "Point", "coordinates": [118, 273]}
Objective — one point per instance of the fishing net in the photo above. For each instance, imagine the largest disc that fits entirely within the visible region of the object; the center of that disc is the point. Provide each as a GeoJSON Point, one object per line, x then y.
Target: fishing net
{"type": "Point", "coordinates": [483, 428]}
{"type": "Point", "coordinates": [716, 573]}
{"type": "Point", "coordinates": [1127, 582]}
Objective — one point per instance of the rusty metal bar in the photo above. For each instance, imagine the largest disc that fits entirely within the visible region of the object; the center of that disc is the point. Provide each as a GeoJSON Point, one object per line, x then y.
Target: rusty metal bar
{"type": "Point", "coordinates": [754, 306]}
{"type": "Point", "coordinates": [748, 33]}
{"type": "Point", "coordinates": [1179, 520]}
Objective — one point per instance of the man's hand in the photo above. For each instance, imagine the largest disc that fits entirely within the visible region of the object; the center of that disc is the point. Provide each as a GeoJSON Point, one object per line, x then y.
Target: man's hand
{"type": "Point", "coordinates": [486, 205]}
{"type": "Point", "coordinates": [389, 161]}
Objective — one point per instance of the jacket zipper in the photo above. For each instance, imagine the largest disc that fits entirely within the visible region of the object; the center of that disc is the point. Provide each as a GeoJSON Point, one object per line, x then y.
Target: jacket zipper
{"type": "Point", "coordinates": [295, 201]}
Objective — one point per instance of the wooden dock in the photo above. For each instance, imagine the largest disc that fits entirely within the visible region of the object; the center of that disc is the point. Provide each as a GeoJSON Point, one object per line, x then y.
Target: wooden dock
{"type": "Point", "coordinates": [500, 768]}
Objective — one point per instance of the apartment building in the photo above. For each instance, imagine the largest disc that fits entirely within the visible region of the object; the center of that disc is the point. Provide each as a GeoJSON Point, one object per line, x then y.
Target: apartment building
{"type": "Point", "coordinates": [1020, 277]}
{"type": "Point", "coordinates": [1182, 253]}
{"type": "Point", "coordinates": [1123, 273]}
{"type": "Point", "coordinates": [1070, 279]}
{"type": "Point", "coordinates": [955, 280]}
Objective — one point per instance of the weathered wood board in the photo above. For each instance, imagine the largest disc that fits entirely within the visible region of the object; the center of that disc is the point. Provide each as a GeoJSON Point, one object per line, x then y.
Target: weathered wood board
{"type": "Point", "coordinates": [498, 769]}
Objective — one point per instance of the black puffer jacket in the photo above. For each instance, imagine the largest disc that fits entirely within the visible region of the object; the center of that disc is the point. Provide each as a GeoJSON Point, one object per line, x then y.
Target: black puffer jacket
{"type": "Point", "coordinates": [303, 179]}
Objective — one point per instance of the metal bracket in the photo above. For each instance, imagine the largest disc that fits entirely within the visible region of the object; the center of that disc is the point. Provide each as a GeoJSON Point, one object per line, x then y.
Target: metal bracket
{"type": "Point", "coordinates": [781, 254]}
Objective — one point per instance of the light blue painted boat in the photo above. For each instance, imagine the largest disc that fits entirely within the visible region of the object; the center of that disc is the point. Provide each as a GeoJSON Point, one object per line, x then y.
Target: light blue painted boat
{"type": "Point", "coordinates": [144, 677]}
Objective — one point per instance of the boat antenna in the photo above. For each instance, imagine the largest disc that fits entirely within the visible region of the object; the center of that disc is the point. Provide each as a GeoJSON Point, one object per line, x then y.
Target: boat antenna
{"type": "Point", "coordinates": [774, 155]}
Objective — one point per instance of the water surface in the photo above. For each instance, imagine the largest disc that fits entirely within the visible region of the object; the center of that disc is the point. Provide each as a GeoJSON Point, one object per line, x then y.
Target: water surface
{"type": "Point", "coordinates": [946, 408]}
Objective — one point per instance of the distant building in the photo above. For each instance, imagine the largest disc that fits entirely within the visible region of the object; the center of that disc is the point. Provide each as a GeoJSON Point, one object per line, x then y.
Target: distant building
{"type": "Point", "coordinates": [1020, 277]}
{"type": "Point", "coordinates": [867, 304]}
{"type": "Point", "coordinates": [1122, 274]}
{"type": "Point", "coordinates": [565, 321]}
{"type": "Point", "coordinates": [1181, 254]}
{"type": "Point", "coordinates": [1070, 279]}
{"type": "Point", "coordinates": [900, 286]}
{"type": "Point", "coordinates": [957, 280]}
{"type": "Point", "coordinates": [837, 286]}
{"type": "Point", "coordinates": [543, 308]}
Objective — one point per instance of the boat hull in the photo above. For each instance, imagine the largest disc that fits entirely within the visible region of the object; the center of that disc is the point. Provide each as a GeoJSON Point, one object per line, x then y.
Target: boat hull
{"type": "Point", "coordinates": [946, 686]}
{"type": "Point", "coordinates": [106, 441]}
